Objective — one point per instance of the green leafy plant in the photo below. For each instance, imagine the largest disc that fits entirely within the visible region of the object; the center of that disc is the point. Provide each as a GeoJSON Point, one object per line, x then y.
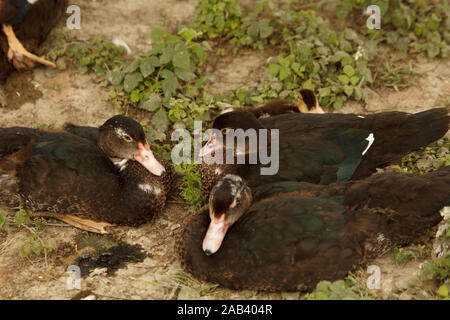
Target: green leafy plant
{"type": "Point", "coordinates": [33, 243]}
{"type": "Point", "coordinates": [402, 255]}
{"type": "Point", "coordinates": [426, 159]}
{"type": "Point", "coordinates": [317, 58]}
{"type": "Point", "coordinates": [217, 18]}
{"type": "Point", "coordinates": [99, 55]}
{"type": "Point", "coordinates": [338, 290]}
{"type": "Point", "coordinates": [191, 187]}
{"type": "Point", "coordinates": [409, 26]}
{"type": "Point", "coordinates": [333, 63]}
{"type": "Point", "coordinates": [256, 30]}
{"type": "Point", "coordinates": [170, 68]}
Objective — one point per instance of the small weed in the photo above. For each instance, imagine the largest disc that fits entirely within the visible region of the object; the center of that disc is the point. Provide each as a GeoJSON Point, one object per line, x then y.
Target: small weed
{"type": "Point", "coordinates": [408, 26]}
{"type": "Point", "coordinates": [191, 187]}
{"type": "Point", "coordinates": [427, 159]}
{"type": "Point", "coordinates": [403, 255]}
{"type": "Point", "coordinates": [33, 243]}
{"type": "Point", "coordinates": [338, 290]}
{"type": "Point", "coordinates": [218, 18]}
{"type": "Point", "coordinates": [99, 55]}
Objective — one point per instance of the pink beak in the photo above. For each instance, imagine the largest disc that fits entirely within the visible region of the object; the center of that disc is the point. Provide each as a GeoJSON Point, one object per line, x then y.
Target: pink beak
{"type": "Point", "coordinates": [213, 145]}
{"type": "Point", "coordinates": [214, 236]}
{"type": "Point", "coordinates": [147, 159]}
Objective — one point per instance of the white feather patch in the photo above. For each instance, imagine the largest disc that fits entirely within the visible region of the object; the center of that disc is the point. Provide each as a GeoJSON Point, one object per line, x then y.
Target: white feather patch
{"type": "Point", "coordinates": [149, 188]}
{"type": "Point", "coordinates": [371, 139]}
{"type": "Point", "coordinates": [122, 164]}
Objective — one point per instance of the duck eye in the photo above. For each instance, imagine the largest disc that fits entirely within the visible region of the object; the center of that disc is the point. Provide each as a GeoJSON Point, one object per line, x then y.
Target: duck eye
{"type": "Point", "coordinates": [127, 138]}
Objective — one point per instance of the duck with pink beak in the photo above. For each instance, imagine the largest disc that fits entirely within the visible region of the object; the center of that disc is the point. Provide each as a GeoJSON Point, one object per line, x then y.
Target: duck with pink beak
{"type": "Point", "coordinates": [231, 198]}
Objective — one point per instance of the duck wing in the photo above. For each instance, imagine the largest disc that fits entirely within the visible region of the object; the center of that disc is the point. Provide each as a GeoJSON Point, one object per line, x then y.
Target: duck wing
{"type": "Point", "coordinates": [77, 153]}
{"type": "Point", "coordinates": [326, 148]}
{"type": "Point", "coordinates": [90, 133]}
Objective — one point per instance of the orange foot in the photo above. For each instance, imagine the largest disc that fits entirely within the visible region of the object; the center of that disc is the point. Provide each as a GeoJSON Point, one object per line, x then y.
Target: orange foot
{"type": "Point", "coordinates": [20, 57]}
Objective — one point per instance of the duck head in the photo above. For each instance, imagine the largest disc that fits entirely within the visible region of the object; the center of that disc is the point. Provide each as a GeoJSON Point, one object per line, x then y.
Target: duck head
{"type": "Point", "coordinates": [308, 103]}
{"type": "Point", "coordinates": [229, 200]}
{"type": "Point", "coordinates": [233, 120]}
{"type": "Point", "coordinates": [122, 139]}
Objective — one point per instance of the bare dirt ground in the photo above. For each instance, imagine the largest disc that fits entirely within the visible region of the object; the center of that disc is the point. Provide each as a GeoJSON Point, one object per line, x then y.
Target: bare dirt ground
{"type": "Point", "coordinates": [42, 97]}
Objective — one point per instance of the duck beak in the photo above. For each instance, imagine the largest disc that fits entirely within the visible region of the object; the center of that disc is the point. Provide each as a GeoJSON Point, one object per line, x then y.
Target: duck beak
{"type": "Point", "coordinates": [147, 159]}
{"type": "Point", "coordinates": [211, 146]}
{"type": "Point", "coordinates": [214, 236]}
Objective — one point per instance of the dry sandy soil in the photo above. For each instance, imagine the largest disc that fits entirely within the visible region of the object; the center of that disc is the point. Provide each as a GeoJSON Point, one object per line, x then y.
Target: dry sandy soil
{"type": "Point", "coordinates": [53, 98]}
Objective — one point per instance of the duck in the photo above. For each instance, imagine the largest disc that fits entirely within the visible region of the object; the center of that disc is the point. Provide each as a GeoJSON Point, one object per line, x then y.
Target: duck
{"type": "Point", "coordinates": [307, 102]}
{"type": "Point", "coordinates": [289, 235]}
{"type": "Point", "coordinates": [92, 181]}
{"type": "Point", "coordinates": [321, 148]}
{"type": "Point", "coordinates": [24, 26]}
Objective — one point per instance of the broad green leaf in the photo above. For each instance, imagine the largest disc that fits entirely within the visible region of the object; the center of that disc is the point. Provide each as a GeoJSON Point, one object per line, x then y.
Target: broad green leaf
{"type": "Point", "coordinates": [153, 103]}
{"type": "Point", "coordinates": [199, 52]}
{"type": "Point", "coordinates": [117, 77]}
{"type": "Point", "coordinates": [284, 73]}
{"type": "Point", "coordinates": [323, 92]}
{"type": "Point", "coordinates": [349, 71]}
{"type": "Point", "coordinates": [156, 135]}
{"type": "Point", "coordinates": [273, 69]}
{"type": "Point", "coordinates": [160, 120]}
{"type": "Point", "coordinates": [265, 29]}
{"type": "Point", "coordinates": [132, 66]}
{"type": "Point", "coordinates": [308, 85]}
{"type": "Point", "coordinates": [343, 79]}
{"type": "Point", "coordinates": [188, 34]}
{"type": "Point", "coordinates": [253, 30]}
{"type": "Point", "coordinates": [131, 81]}
{"type": "Point", "coordinates": [170, 82]}
{"type": "Point", "coordinates": [21, 217]}
{"type": "Point", "coordinates": [157, 35]}
{"type": "Point", "coordinates": [181, 60]}
{"type": "Point", "coordinates": [346, 61]}
{"type": "Point", "coordinates": [184, 74]}
{"type": "Point", "coordinates": [166, 56]}
{"type": "Point", "coordinates": [348, 90]}
{"type": "Point", "coordinates": [338, 103]}
{"type": "Point", "coordinates": [354, 80]}
{"type": "Point", "coordinates": [338, 56]}
{"type": "Point", "coordinates": [147, 66]}
{"type": "Point", "coordinates": [343, 8]}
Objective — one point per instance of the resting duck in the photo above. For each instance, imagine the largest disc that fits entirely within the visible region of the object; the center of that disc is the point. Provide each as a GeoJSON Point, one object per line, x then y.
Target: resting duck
{"type": "Point", "coordinates": [107, 178]}
{"type": "Point", "coordinates": [32, 21]}
{"type": "Point", "coordinates": [307, 103]}
{"type": "Point", "coordinates": [295, 234]}
{"type": "Point", "coordinates": [324, 148]}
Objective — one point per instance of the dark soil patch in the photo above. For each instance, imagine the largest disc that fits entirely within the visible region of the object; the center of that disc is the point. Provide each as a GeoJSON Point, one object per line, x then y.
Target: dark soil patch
{"type": "Point", "coordinates": [19, 90]}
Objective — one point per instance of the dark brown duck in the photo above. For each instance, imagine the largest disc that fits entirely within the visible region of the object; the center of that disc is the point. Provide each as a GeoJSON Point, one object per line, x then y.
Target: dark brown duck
{"type": "Point", "coordinates": [295, 234]}
{"type": "Point", "coordinates": [91, 180]}
{"type": "Point", "coordinates": [325, 148]}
